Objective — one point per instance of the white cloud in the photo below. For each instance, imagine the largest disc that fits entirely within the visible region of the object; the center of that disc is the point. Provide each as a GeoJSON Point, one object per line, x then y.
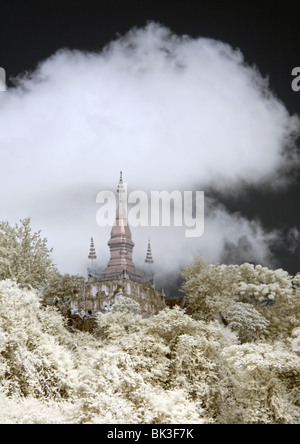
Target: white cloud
{"type": "Point", "coordinates": [171, 112]}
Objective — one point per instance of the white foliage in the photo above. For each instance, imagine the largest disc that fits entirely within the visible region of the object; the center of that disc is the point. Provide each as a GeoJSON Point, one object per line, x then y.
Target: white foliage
{"type": "Point", "coordinates": [246, 321]}
{"type": "Point", "coordinates": [127, 305]}
{"type": "Point", "coordinates": [295, 342]}
{"type": "Point", "coordinates": [212, 291]}
{"type": "Point", "coordinates": [169, 368]}
{"type": "Point", "coordinates": [24, 256]}
{"type": "Point", "coordinates": [266, 383]}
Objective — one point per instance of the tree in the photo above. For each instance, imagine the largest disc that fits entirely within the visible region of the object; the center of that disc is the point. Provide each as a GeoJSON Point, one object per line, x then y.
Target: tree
{"type": "Point", "coordinates": [33, 340]}
{"type": "Point", "coordinates": [169, 368]}
{"type": "Point", "coordinates": [62, 289]}
{"type": "Point", "coordinates": [263, 384]}
{"type": "Point", "coordinates": [229, 362]}
{"type": "Point", "coordinates": [211, 291]}
{"type": "Point", "coordinates": [208, 289]}
{"type": "Point", "coordinates": [24, 256]}
{"type": "Point", "coordinates": [246, 321]}
{"type": "Point", "coordinates": [26, 259]}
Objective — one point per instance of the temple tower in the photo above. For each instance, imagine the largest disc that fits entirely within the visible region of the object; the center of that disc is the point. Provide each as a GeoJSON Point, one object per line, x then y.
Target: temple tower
{"type": "Point", "coordinates": [120, 278]}
{"type": "Point", "coordinates": [92, 254]}
{"type": "Point", "coordinates": [149, 258]}
{"type": "Point", "coordinates": [121, 245]}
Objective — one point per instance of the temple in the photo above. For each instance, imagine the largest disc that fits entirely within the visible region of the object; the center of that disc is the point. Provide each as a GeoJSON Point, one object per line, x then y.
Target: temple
{"type": "Point", "coordinates": [120, 278]}
{"type": "Point", "coordinates": [121, 245]}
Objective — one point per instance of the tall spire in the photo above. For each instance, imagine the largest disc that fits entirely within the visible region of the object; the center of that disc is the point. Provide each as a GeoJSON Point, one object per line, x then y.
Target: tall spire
{"type": "Point", "coordinates": [121, 245]}
{"type": "Point", "coordinates": [92, 254]}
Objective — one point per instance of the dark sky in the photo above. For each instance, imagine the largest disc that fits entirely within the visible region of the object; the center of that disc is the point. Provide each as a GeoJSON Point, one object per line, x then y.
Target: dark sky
{"type": "Point", "coordinates": [267, 35]}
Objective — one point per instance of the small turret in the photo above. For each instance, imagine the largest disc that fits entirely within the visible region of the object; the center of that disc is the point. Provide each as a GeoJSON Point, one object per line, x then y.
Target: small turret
{"type": "Point", "coordinates": [149, 274]}
{"type": "Point", "coordinates": [92, 254]}
{"type": "Point", "coordinates": [149, 258]}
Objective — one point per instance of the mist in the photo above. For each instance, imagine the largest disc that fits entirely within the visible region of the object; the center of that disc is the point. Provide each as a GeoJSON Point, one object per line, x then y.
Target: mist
{"type": "Point", "coordinates": [171, 112]}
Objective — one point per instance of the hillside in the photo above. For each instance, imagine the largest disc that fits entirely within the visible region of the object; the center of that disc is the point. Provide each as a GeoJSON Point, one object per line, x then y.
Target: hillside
{"type": "Point", "coordinates": [232, 357]}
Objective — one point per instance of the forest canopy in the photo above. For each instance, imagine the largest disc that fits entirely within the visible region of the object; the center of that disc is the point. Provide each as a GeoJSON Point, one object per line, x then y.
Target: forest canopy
{"type": "Point", "coordinates": [231, 356]}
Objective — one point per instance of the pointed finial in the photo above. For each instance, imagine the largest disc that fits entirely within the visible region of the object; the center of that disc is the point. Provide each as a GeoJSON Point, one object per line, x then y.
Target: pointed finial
{"type": "Point", "coordinates": [149, 258]}
{"type": "Point", "coordinates": [92, 254]}
{"type": "Point", "coordinates": [121, 188]}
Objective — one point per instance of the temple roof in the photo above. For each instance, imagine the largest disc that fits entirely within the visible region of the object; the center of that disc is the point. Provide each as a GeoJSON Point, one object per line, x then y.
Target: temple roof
{"type": "Point", "coordinates": [121, 245]}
